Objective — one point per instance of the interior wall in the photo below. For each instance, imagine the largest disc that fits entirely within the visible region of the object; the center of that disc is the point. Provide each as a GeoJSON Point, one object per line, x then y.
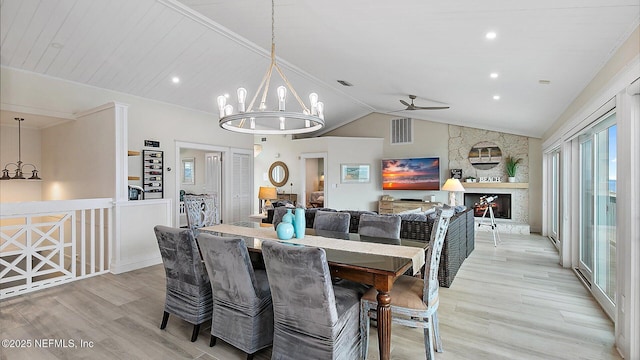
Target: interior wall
{"type": "Point", "coordinates": [535, 185]}
{"type": "Point", "coordinates": [430, 139]}
{"type": "Point", "coordinates": [147, 119]}
{"type": "Point", "coordinates": [434, 139]}
{"type": "Point", "coordinates": [81, 168]}
{"type": "Point", "coordinates": [339, 151]}
{"type": "Point", "coordinates": [621, 59]}
{"type": "Point", "coordinates": [199, 184]}
{"type": "Point", "coordinates": [20, 190]}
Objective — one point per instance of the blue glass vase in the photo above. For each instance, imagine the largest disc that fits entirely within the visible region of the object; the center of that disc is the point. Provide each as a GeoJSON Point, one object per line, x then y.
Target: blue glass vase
{"type": "Point", "coordinates": [299, 223]}
{"type": "Point", "coordinates": [288, 217]}
{"type": "Point", "coordinates": [284, 230]}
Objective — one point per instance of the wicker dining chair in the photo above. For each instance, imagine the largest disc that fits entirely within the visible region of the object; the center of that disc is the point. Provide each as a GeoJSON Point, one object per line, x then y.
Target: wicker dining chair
{"type": "Point", "coordinates": [188, 293]}
{"type": "Point", "coordinates": [314, 319]}
{"type": "Point", "coordinates": [242, 307]}
{"type": "Point", "coordinates": [414, 301]}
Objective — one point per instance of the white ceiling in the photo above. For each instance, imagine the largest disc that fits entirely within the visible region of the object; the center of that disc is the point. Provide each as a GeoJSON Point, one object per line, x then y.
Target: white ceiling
{"type": "Point", "coordinates": [436, 50]}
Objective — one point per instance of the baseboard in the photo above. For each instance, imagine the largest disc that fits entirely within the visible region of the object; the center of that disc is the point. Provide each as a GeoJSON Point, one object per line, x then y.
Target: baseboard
{"type": "Point", "coordinates": [130, 266]}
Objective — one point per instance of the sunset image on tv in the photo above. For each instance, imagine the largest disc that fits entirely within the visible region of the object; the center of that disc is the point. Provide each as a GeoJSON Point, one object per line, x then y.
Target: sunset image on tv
{"type": "Point", "coordinates": [411, 174]}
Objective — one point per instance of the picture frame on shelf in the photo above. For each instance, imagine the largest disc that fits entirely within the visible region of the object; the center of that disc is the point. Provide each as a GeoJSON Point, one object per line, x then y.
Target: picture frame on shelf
{"type": "Point", "coordinates": [355, 173]}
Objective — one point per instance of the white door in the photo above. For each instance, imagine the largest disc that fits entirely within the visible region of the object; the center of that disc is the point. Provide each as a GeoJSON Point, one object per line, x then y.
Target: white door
{"type": "Point", "coordinates": [241, 187]}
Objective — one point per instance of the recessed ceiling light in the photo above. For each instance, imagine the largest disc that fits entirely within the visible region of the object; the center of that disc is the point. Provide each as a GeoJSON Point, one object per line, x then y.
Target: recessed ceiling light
{"type": "Point", "coordinates": [496, 97]}
{"type": "Point", "coordinates": [175, 79]}
{"type": "Point", "coordinates": [491, 35]}
{"type": "Point", "coordinates": [493, 75]}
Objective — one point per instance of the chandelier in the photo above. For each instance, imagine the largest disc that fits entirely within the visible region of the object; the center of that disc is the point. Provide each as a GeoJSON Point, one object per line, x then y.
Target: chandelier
{"type": "Point", "coordinates": [263, 121]}
{"type": "Point", "coordinates": [19, 165]}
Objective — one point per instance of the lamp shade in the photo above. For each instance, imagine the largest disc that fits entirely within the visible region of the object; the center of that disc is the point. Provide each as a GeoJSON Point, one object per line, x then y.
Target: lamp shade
{"type": "Point", "coordinates": [267, 193]}
{"type": "Point", "coordinates": [452, 185]}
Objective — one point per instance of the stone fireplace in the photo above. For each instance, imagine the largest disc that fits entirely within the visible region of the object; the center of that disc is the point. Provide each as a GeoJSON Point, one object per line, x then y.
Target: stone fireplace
{"type": "Point", "coordinates": [500, 204]}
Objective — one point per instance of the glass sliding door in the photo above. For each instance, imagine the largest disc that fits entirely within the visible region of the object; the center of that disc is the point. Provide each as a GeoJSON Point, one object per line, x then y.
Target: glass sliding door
{"type": "Point", "coordinates": [586, 207]}
{"type": "Point", "coordinates": [598, 210]}
{"type": "Point", "coordinates": [605, 207]}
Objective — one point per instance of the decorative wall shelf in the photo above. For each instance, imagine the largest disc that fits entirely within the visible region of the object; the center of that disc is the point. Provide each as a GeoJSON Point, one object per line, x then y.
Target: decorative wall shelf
{"type": "Point", "coordinates": [495, 185]}
{"type": "Point", "coordinates": [133, 153]}
{"type": "Point", "coordinates": [133, 178]}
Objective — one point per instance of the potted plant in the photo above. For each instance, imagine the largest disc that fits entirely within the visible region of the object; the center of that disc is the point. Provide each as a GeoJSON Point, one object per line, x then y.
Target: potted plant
{"type": "Point", "coordinates": [470, 179]}
{"type": "Point", "coordinates": [512, 165]}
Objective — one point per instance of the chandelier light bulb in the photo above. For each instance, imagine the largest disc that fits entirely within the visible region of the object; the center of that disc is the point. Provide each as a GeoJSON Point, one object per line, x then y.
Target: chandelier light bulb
{"type": "Point", "coordinates": [222, 101]}
{"type": "Point", "coordinates": [313, 98]}
{"type": "Point", "coordinates": [258, 117]}
{"type": "Point", "coordinates": [242, 96]}
{"type": "Point", "coordinates": [282, 97]}
{"type": "Point", "coordinates": [320, 107]}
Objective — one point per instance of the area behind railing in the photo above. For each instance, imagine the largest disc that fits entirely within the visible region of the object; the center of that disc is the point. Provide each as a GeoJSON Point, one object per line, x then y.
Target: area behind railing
{"type": "Point", "coordinates": [46, 243]}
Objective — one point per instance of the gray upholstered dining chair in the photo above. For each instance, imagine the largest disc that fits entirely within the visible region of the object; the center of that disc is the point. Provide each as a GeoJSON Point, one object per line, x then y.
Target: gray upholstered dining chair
{"type": "Point", "coordinates": [242, 308]}
{"type": "Point", "coordinates": [188, 289]}
{"type": "Point", "coordinates": [384, 226]}
{"type": "Point", "coordinates": [314, 319]}
{"type": "Point", "coordinates": [202, 210]}
{"type": "Point", "coordinates": [332, 221]}
{"type": "Point", "coordinates": [414, 301]}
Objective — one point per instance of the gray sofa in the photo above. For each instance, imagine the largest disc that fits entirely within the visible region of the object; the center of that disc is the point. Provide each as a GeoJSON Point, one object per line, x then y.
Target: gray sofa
{"type": "Point", "coordinates": [458, 244]}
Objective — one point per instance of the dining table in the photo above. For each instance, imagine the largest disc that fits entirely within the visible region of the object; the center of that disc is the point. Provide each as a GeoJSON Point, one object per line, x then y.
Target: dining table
{"type": "Point", "coordinates": [368, 260]}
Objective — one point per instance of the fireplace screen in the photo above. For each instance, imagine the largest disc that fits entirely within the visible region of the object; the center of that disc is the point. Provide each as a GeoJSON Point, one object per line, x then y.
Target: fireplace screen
{"type": "Point", "coordinates": [500, 203]}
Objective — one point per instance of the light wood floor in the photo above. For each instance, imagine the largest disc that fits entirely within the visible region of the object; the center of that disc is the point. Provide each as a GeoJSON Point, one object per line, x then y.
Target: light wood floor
{"type": "Point", "coordinates": [509, 302]}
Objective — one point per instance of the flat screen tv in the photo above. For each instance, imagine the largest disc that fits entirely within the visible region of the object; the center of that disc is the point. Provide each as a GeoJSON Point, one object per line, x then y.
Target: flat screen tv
{"type": "Point", "coordinates": [411, 174]}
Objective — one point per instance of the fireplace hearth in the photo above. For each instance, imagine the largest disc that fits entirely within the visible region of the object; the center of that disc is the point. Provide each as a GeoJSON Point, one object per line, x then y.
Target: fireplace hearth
{"type": "Point", "coordinates": [501, 204]}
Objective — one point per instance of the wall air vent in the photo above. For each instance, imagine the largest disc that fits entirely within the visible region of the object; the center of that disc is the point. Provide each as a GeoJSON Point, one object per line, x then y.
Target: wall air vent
{"type": "Point", "coordinates": [402, 131]}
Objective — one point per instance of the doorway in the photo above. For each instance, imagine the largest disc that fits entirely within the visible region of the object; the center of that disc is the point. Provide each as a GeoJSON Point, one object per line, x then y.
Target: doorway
{"type": "Point", "coordinates": [314, 172]}
{"type": "Point", "coordinates": [222, 170]}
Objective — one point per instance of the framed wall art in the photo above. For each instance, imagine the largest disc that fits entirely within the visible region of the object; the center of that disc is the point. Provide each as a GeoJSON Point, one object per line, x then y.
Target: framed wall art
{"type": "Point", "coordinates": [355, 173]}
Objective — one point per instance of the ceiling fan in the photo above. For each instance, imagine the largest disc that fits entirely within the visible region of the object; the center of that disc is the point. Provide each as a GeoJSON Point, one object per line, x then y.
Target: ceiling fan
{"type": "Point", "coordinates": [414, 107]}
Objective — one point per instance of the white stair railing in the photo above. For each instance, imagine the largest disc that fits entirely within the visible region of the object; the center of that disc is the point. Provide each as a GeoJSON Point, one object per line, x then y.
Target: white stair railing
{"type": "Point", "coordinates": [46, 243]}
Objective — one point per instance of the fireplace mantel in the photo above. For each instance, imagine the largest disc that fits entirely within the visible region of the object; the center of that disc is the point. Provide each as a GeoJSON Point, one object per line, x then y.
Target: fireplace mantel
{"type": "Point", "coordinates": [495, 185]}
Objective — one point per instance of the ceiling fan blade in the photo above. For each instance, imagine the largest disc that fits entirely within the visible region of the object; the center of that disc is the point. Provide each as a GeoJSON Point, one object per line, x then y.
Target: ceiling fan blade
{"type": "Point", "coordinates": [404, 103]}
{"type": "Point", "coordinates": [431, 107]}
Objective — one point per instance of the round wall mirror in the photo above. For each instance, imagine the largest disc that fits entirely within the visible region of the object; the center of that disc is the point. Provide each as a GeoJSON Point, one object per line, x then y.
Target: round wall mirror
{"type": "Point", "coordinates": [485, 155]}
{"type": "Point", "coordinates": [278, 174]}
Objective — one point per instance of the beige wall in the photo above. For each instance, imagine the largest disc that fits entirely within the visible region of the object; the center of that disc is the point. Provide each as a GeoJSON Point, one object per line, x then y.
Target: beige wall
{"type": "Point", "coordinates": [80, 158]}
{"type": "Point", "coordinates": [431, 139]}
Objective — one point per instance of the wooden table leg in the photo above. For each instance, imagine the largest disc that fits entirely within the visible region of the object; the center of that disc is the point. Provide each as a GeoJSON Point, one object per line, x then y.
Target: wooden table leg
{"type": "Point", "coordinates": [384, 324]}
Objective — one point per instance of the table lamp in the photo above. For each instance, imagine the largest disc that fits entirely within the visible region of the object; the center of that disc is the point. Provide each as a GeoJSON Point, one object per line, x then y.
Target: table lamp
{"type": "Point", "coordinates": [265, 194]}
{"type": "Point", "coordinates": [452, 185]}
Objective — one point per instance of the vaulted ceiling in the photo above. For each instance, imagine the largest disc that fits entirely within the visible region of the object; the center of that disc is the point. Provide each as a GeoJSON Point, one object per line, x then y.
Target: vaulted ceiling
{"type": "Point", "coordinates": [544, 53]}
